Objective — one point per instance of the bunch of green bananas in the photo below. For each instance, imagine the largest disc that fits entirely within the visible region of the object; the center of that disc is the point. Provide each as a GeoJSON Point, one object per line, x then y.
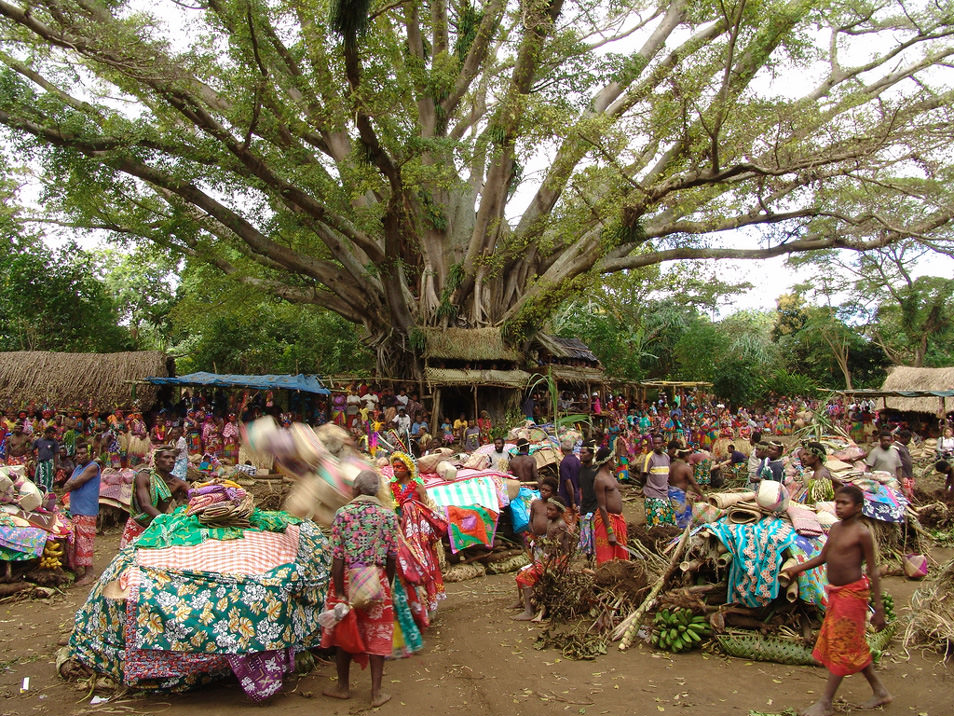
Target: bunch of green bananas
{"type": "Point", "coordinates": [678, 630]}
{"type": "Point", "coordinates": [888, 601]}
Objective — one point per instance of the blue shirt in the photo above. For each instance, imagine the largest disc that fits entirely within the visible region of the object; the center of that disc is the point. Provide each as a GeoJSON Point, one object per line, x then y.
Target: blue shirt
{"type": "Point", "coordinates": [84, 500]}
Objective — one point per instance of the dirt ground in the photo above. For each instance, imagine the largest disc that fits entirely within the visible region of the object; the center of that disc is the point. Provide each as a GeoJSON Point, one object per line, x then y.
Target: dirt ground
{"type": "Point", "coordinates": [477, 660]}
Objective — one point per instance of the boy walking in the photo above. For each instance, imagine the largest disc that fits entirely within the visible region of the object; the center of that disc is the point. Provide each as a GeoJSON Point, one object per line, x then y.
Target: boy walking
{"type": "Point", "coordinates": [841, 645]}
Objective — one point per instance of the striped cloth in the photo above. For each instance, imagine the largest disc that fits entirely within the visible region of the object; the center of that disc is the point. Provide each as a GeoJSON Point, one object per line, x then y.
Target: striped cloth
{"type": "Point", "coordinates": [479, 489]}
{"type": "Point", "coordinates": [255, 553]}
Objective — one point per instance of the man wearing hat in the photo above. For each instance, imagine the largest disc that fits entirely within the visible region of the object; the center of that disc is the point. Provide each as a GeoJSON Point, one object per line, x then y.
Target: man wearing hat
{"type": "Point", "coordinates": [522, 466]}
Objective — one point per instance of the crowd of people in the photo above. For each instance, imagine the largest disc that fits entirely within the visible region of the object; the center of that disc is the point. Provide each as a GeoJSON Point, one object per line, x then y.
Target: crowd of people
{"type": "Point", "coordinates": [674, 448]}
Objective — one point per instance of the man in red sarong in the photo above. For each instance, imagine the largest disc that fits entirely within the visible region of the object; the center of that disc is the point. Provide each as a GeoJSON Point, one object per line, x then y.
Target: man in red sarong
{"type": "Point", "coordinates": [83, 486]}
{"type": "Point", "coordinates": [609, 527]}
{"type": "Point", "coordinates": [363, 535]}
{"type": "Point", "coordinates": [841, 645]}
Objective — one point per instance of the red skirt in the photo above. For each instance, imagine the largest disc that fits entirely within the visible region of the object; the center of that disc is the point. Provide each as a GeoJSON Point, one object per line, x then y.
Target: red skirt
{"type": "Point", "coordinates": [841, 647]}
{"type": "Point", "coordinates": [375, 623]}
{"type": "Point", "coordinates": [606, 552]}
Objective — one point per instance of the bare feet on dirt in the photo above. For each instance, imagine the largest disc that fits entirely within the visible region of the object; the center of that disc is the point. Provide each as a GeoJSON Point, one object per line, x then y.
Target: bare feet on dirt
{"type": "Point", "coordinates": [380, 699]}
{"type": "Point", "coordinates": [878, 700]}
{"type": "Point", "coordinates": [819, 708]}
{"type": "Point", "coordinates": [337, 692]}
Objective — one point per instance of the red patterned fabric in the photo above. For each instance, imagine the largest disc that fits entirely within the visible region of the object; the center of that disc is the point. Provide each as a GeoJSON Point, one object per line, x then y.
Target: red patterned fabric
{"type": "Point", "coordinates": [606, 552]}
{"type": "Point", "coordinates": [84, 534]}
{"type": "Point", "coordinates": [422, 529]}
{"type": "Point", "coordinates": [255, 553]}
{"type": "Point", "coordinates": [529, 576]}
{"type": "Point", "coordinates": [841, 646]}
{"type": "Point", "coordinates": [132, 530]}
{"type": "Point", "coordinates": [375, 624]}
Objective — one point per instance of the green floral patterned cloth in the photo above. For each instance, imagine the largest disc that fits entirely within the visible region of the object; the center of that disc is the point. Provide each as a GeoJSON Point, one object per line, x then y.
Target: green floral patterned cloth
{"type": "Point", "coordinates": [178, 528]}
{"type": "Point", "coordinates": [176, 627]}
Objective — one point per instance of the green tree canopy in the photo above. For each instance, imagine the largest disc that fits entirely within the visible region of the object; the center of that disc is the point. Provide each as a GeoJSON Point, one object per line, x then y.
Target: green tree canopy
{"type": "Point", "coordinates": [50, 300]}
{"type": "Point", "coordinates": [230, 328]}
{"type": "Point", "coordinates": [431, 163]}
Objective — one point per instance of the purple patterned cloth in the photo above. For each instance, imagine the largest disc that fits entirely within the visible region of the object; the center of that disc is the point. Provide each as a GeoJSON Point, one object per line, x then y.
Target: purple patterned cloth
{"type": "Point", "coordinates": [260, 674]}
{"type": "Point", "coordinates": [28, 541]}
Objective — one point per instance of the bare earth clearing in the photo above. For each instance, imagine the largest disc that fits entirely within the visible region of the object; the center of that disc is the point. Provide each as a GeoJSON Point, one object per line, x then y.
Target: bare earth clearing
{"type": "Point", "coordinates": [476, 660]}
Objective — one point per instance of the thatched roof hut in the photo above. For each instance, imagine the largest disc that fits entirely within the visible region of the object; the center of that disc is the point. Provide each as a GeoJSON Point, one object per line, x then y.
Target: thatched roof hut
{"type": "Point", "coordinates": [904, 378]}
{"type": "Point", "coordinates": [468, 344]}
{"type": "Point", "coordinates": [88, 381]}
{"type": "Point", "coordinates": [567, 348]}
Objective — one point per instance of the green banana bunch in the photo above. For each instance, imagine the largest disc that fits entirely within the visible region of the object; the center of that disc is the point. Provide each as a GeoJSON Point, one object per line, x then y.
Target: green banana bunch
{"type": "Point", "coordinates": [678, 630]}
{"type": "Point", "coordinates": [888, 601]}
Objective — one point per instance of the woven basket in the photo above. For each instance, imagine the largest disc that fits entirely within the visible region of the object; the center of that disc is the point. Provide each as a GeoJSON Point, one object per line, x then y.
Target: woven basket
{"type": "Point", "coordinates": [763, 648]}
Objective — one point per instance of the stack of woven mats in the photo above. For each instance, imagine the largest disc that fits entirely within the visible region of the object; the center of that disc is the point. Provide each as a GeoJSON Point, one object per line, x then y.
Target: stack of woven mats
{"type": "Point", "coordinates": [220, 503]}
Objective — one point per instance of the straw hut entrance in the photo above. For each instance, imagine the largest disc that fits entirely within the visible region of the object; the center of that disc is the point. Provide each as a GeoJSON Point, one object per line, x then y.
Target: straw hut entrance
{"type": "Point", "coordinates": [574, 368]}
{"type": "Point", "coordinates": [91, 382]}
{"type": "Point", "coordinates": [468, 371]}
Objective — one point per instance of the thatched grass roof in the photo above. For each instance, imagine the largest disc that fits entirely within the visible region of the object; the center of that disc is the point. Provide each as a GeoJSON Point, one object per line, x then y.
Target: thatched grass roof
{"type": "Point", "coordinates": [578, 374]}
{"type": "Point", "coordinates": [481, 378]}
{"type": "Point", "coordinates": [471, 344]}
{"type": "Point", "coordinates": [572, 348]}
{"type": "Point", "coordinates": [87, 381]}
{"type": "Point", "coordinates": [907, 378]}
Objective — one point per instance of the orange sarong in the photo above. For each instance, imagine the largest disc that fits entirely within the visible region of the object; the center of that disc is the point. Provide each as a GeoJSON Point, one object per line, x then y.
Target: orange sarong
{"type": "Point", "coordinates": [604, 550]}
{"type": "Point", "coordinates": [841, 645]}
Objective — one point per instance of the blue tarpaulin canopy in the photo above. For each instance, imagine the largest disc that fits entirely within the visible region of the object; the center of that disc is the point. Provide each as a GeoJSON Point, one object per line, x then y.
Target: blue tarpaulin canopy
{"type": "Point", "coordinates": [304, 383]}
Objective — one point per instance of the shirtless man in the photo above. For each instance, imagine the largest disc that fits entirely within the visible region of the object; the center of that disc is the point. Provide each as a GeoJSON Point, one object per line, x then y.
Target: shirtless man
{"type": "Point", "coordinates": [537, 528]}
{"type": "Point", "coordinates": [522, 466]}
{"type": "Point", "coordinates": [538, 508]}
{"type": "Point", "coordinates": [609, 527]}
{"type": "Point", "coordinates": [557, 549]}
{"type": "Point", "coordinates": [681, 483]}
{"type": "Point", "coordinates": [841, 644]}
{"type": "Point", "coordinates": [19, 446]}
{"type": "Point", "coordinates": [153, 491]}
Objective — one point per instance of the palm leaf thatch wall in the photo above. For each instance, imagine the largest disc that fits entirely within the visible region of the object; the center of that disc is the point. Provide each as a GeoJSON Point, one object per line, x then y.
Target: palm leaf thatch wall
{"type": "Point", "coordinates": [95, 382]}
{"type": "Point", "coordinates": [905, 378]}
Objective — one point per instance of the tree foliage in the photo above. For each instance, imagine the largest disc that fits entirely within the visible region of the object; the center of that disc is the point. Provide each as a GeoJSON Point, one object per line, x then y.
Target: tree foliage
{"type": "Point", "coordinates": [418, 163]}
{"type": "Point", "coordinates": [142, 282]}
{"type": "Point", "coordinates": [50, 300]}
{"type": "Point", "coordinates": [230, 328]}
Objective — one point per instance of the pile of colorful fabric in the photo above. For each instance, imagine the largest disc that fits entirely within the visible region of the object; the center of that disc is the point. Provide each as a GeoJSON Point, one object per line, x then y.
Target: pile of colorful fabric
{"type": "Point", "coordinates": [25, 526]}
{"type": "Point", "coordinates": [220, 503]}
{"type": "Point", "coordinates": [188, 604]}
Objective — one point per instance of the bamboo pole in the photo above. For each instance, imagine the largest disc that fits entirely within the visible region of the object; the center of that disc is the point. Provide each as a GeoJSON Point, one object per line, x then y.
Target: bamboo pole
{"type": "Point", "coordinates": [628, 628]}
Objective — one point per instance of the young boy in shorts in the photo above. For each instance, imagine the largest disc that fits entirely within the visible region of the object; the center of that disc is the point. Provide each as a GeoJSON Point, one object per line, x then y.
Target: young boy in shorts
{"type": "Point", "coordinates": [841, 645]}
